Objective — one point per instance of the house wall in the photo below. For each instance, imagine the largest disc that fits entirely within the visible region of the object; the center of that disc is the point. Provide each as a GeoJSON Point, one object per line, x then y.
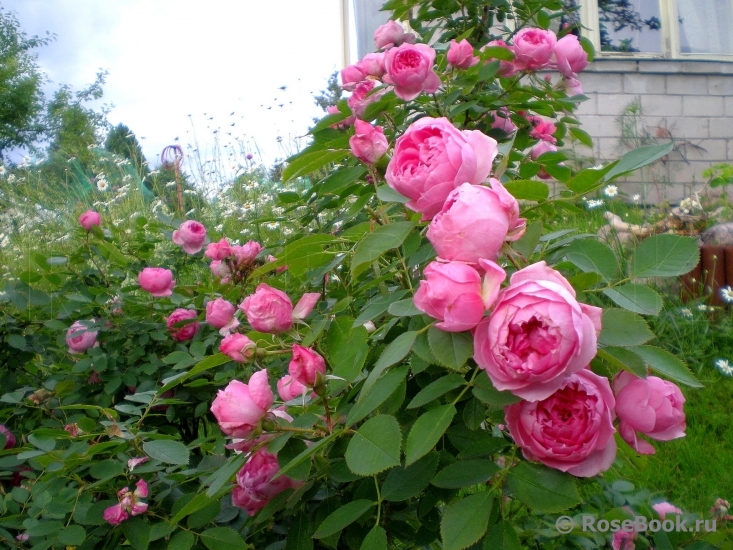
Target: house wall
{"type": "Point", "coordinates": [690, 102]}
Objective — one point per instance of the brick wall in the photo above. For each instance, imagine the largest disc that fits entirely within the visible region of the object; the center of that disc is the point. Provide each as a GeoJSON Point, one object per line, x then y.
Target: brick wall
{"type": "Point", "coordinates": [691, 101]}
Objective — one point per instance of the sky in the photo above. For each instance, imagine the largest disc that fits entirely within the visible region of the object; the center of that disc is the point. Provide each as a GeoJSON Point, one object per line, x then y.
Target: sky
{"type": "Point", "coordinates": [182, 67]}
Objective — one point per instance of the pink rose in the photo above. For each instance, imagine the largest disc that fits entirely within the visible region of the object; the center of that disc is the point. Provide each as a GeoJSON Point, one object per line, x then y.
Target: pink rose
{"type": "Point", "coordinates": [409, 68]}
{"type": "Point", "coordinates": [351, 76]}
{"type": "Point", "coordinates": [191, 236]}
{"type": "Point", "coordinates": [333, 110]}
{"type": "Point", "coordinates": [572, 429]}
{"type": "Point", "coordinates": [134, 462]}
{"type": "Point", "coordinates": [664, 508]}
{"type": "Point", "coordinates": [240, 408]}
{"type": "Point", "coordinates": [432, 158]}
{"type": "Point", "coordinates": [533, 49]}
{"type": "Point", "coordinates": [247, 252]}
{"type": "Point", "coordinates": [306, 366]}
{"type": "Point", "coordinates": [537, 334]}
{"type": "Point", "coordinates": [282, 268]}
{"type": "Point", "coordinates": [89, 219]}
{"type": "Point", "coordinates": [220, 269]}
{"type": "Point", "coordinates": [474, 223]}
{"type": "Point", "coordinates": [156, 280]}
{"type": "Point", "coordinates": [218, 251]}
{"type": "Point", "coordinates": [238, 347]}
{"type": "Point", "coordinates": [570, 56]}
{"type": "Point", "coordinates": [362, 97]}
{"type": "Point", "coordinates": [368, 143]}
{"type": "Point", "coordinates": [460, 54]}
{"type": "Point", "coordinates": [114, 515]}
{"type": "Point", "coordinates": [391, 34]}
{"type": "Point", "coordinates": [453, 293]}
{"type": "Point", "coordinates": [623, 540]}
{"type": "Point", "coordinates": [506, 68]}
{"type": "Point", "coordinates": [372, 64]}
{"type": "Point", "coordinates": [185, 332]}
{"type": "Point", "coordinates": [542, 129]}
{"type": "Point", "coordinates": [9, 437]}
{"type": "Point", "coordinates": [268, 310]}
{"type": "Point", "coordinates": [650, 406]}
{"type": "Point", "coordinates": [129, 503]}
{"type": "Point", "coordinates": [289, 388]}
{"type": "Point", "coordinates": [537, 151]}
{"type": "Point", "coordinates": [502, 121]}
{"type": "Point", "coordinates": [305, 305]}
{"type": "Point", "coordinates": [255, 486]}
{"type": "Point", "coordinates": [79, 338]}
{"type": "Point", "coordinates": [572, 86]}
{"type": "Point", "coordinates": [220, 314]}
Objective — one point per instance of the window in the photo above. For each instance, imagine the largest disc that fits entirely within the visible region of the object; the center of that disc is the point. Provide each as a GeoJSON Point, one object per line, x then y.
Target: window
{"type": "Point", "coordinates": [671, 29]}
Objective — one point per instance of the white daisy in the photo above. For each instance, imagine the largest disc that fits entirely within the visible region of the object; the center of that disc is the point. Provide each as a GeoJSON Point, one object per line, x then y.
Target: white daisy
{"type": "Point", "coordinates": [102, 185]}
{"type": "Point", "coordinates": [726, 293]}
{"type": "Point", "coordinates": [636, 198]}
{"type": "Point", "coordinates": [723, 365]}
{"type": "Point", "coordinates": [686, 313]}
{"type": "Point", "coordinates": [610, 191]}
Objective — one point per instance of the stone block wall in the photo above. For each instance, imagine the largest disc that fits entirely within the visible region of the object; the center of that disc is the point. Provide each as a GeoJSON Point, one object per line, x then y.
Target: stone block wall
{"type": "Point", "coordinates": [689, 102]}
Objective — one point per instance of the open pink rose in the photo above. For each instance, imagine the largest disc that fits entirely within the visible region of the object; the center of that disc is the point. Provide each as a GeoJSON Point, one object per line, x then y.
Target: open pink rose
{"type": "Point", "coordinates": [240, 408]}
{"type": "Point", "coordinates": [156, 280]}
{"type": "Point", "coordinates": [650, 406]}
{"type": "Point", "coordinates": [453, 293]}
{"type": "Point", "coordinates": [114, 515]}
{"type": "Point", "coordinates": [432, 158]}
{"type": "Point", "coordinates": [460, 54]}
{"type": "Point", "coordinates": [537, 334]}
{"type": "Point", "coordinates": [306, 366]}
{"type": "Point", "coordinates": [537, 151]}
{"type": "Point", "coordinates": [570, 56]}
{"type": "Point", "coordinates": [363, 97]}
{"type": "Point", "coordinates": [79, 338]}
{"type": "Point", "coordinates": [255, 486]}
{"type": "Point", "coordinates": [268, 310]}
{"type": "Point", "coordinates": [391, 34]}
{"type": "Point", "coordinates": [130, 503]}
{"type": "Point", "coordinates": [533, 49]}
{"type": "Point", "coordinates": [502, 121]}
{"type": "Point", "coordinates": [368, 143]}
{"type": "Point", "coordinates": [372, 64]}
{"type": "Point", "coordinates": [238, 347]}
{"type": "Point", "coordinates": [570, 430]}
{"type": "Point", "coordinates": [289, 388]}
{"type": "Point", "coordinates": [9, 437]}
{"type": "Point", "coordinates": [220, 314]}
{"type": "Point", "coordinates": [409, 68]}
{"type": "Point", "coordinates": [506, 68]}
{"type": "Point", "coordinates": [351, 76]}
{"type": "Point", "coordinates": [474, 223]}
{"type": "Point", "coordinates": [542, 129]}
{"type": "Point", "coordinates": [191, 236]}
{"type": "Point", "coordinates": [624, 540]}
{"type": "Point", "coordinates": [184, 332]}
{"type": "Point", "coordinates": [89, 219]}
{"type": "Point", "coordinates": [664, 508]}
{"type": "Point", "coordinates": [218, 251]}
{"type": "Point", "coordinates": [247, 252]}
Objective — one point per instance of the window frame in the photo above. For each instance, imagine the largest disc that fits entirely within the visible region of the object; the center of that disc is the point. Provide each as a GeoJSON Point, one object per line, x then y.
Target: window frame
{"type": "Point", "coordinates": [670, 35]}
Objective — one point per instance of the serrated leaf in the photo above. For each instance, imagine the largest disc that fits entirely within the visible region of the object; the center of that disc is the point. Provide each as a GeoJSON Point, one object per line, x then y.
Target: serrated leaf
{"type": "Point", "coordinates": [465, 522]}
{"type": "Point", "coordinates": [623, 328]}
{"type": "Point", "coordinates": [376, 243]}
{"type": "Point", "coordinates": [137, 533]}
{"type": "Point", "coordinates": [375, 447]}
{"type": "Point", "coordinates": [435, 389]}
{"type": "Point", "coordinates": [341, 179]}
{"type": "Point", "coordinates": [529, 241]}
{"type": "Point", "coordinates": [382, 389]}
{"type": "Point", "coordinates": [452, 349]}
{"type": "Point", "coordinates": [636, 298]}
{"type": "Point", "coordinates": [666, 364]}
{"type": "Point", "coordinates": [409, 481]}
{"type": "Point", "coordinates": [542, 489]}
{"type": "Point", "coordinates": [183, 540]}
{"type": "Point", "coordinates": [167, 451]}
{"type": "Point", "coordinates": [665, 256]}
{"type": "Point", "coordinates": [304, 164]}
{"type": "Point", "coordinates": [222, 538]}
{"type": "Point", "coordinates": [638, 158]}
{"type": "Point", "coordinates": [529, 190]}
{"type": "Point", "coordinates": [376, 539]}
{"type": "Point", "coordinates": [465, 473]}
{"type": "Point", "coordinates": [502, 536]}
{"type": "Point", "coordinates": [594, 256]}
{"type": "Point", "coordinates": [404, 308]}
{"type": "Point", "coordinates": [622, 358]}
{"type": "Point", "coordinates": [395, 352]}
{"type": "Point", "coordinates": [426, 431]}
{"type": "Point", "coordinates": [342, 517]}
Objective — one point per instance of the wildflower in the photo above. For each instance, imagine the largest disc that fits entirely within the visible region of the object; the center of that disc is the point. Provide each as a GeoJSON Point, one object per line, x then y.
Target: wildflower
{"type": "Point", "coordinates": [704, 308]}
{"type": "Point", "coordinates": [723, 365]}
{"type": "Point", "coordinates": [170, 184]}
{"type": "Point", "coordinates": [102, 185]}
{"type": "Point", "coordinates": [610, 191]}
{"type": "Point", "coordinates": [726, 293]}
{"type": "Point", "coordinates": [636, 198]}
{"type": "Point", "coordinates": [594, 203]}
{"type": "Point", "coordinates": [686, 313]}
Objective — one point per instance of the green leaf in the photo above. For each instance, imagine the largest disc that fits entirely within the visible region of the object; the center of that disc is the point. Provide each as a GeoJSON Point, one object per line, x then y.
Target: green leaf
{"type": "Point", "coordinates": [73, 535]}
{"type": "Point", "coordinates": [502, 536]}
{"type": "Point", "coordinates": [386, 194]}
{"type": "Point", "coordinates": [529, 190]}
{"type": "Point", "coordinates": [305, 455]}
{"type": "Point", "coordinates": [376, 243]}
{"type": "Point", "coordinates": [666, 364]}
{"type": "Point", "coordinates": [375, 447]}
{"type": "Point", "coordinates": [57, 260]}
{"type": "Point", "coordinates": [183, 540]}
{"type": "Point", "coordinates": [44, 528]}
{"type": "Point", "coordinates": [493, 397]}
{"type": "Point", "coordinates": [377, 395]}
{"type": "Point", "coordinates": [435, 389]}
{"type": "Point", "coordinates": [167, 451]}
{"type": "Point", "coordinates": [623, 328]}
{"type": "Point", "coordinates": [426, 431]}
{"type": "Point", "coordinates": [342, 517]}
{"type": "Point", "coordinates": [346, 347]}
{"type": "Point", "coordinates": [529, 241]}
{"type": "Point", "coordinates": [409, 481]}
{"type": "Point", "coordinates": [221, 477]}
{"type": "Point", "coordinates": [110, 253]}
{"type": "Point", "coordinates": [377, 305]}
{"type": "Point", "coordinates": [583, 137]}
{"type": "Point", "coordinates": [137, 533]}
{"type": "Point", "coordinates": [586, 180]}
{"type": "Point", "coordinates": [542, 489]}
{"type": "Point", "coordinates": [341, 179]}
{"type": "Point", "coordinates": [451, 349]}
{"type": "Point", "coordinates": [299, 534]}
{"type": "Point", "coordinates": [465, 522]}
{"type": "Point", "coordinates": [623, 358]}
{"type": "Point", "coordinates": [195, 504]}
{"type": "Point", "coordinates": [376, 539]}
{"type": "Point", "coordinates": [497, 52]}
{"type": "Point", "coordinates": [395, 352]}
{"type": "Point", "coordinates": [636, 298]}
{"type": "Point", "coordinates": [306, 163]}
{"type": "Point", "coordinates": [291, 450]}
{"type": "Point", "coordinates": [594, 256]}
{"type": "Point", "coordinates": [465, 473]}
{"type": "Point", "coordinates": [404, 308]}
{"type": "Point", "coordinates": [665, 256]}
{"type": "Point", "coordinates": [543, 20]}
{"type": "Point", "coordinates": [633, 160]}
{"type": "Point", "coordinates": [489, 70]}
{"type": "Point", "coordinates": [222, 538]}
{"type": "Point", "coordinates": [177, 357]}
{"type": "Point", "coordinates": [204, 365]}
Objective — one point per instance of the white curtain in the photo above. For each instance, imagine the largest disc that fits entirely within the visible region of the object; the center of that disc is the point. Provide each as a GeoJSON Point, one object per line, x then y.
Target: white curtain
{"type": "Point", "coordinates": [705, 26]}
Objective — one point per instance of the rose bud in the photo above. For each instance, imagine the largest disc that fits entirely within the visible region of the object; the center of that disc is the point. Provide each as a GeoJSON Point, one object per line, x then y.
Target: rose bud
{"type": "Point", "coordinates": [220, 314]}
{"type": "Point", "coordinates": [218, 251]}
{"type": "Point", "coordinates": [460, 54]}
{"type": "Point", "coordinates": [89, 219]}
{"type": "Point", "coordinates": [268, 310]}
{"type": "Point", "coordinates": [240, 408]}
{"type": "Point", "coordinates": [255, 486]}
{"type": "Point", "coordinates": [156, 280]}
{"type": "Point", "coordinates": [238, 347]}
{"type": "Point", "coordinates": [362, 98]}
{"type": "Point", "coordinates": [506, 68]}
{"type": "Point", "coordinates": [372, 64]}
{"type": "Point", "coordinates": [289, 388]}
{"type": "Point", "coordinates": [368, 144]}
{"type": "Point", "coordinates": [185, 332]}
{"type": "Point", "coordinates": [191, 236]}
{"type": "Point", "coordinates": [570, 56]}
{"type": "Point", "coordinates": [306, 366]}
{"type": "Point", "coordinates": [247, 252]}
{"type": "Point", "coordinates": [79, 338]}
{"type": "Point", "coordinates": [391, 34]}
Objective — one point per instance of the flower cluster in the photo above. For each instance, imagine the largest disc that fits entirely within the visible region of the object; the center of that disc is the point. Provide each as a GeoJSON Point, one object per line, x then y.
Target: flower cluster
{"type": "Point", "coordinates": [129, 504]}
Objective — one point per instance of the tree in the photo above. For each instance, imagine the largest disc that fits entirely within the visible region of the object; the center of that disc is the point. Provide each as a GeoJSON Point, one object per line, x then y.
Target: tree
{"type": "Point", "coordinates": [122, 141]}
{"type": "Point", "coordinates": [21, 97]}
{"type": "Point", "coordinates": [331, 95]}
